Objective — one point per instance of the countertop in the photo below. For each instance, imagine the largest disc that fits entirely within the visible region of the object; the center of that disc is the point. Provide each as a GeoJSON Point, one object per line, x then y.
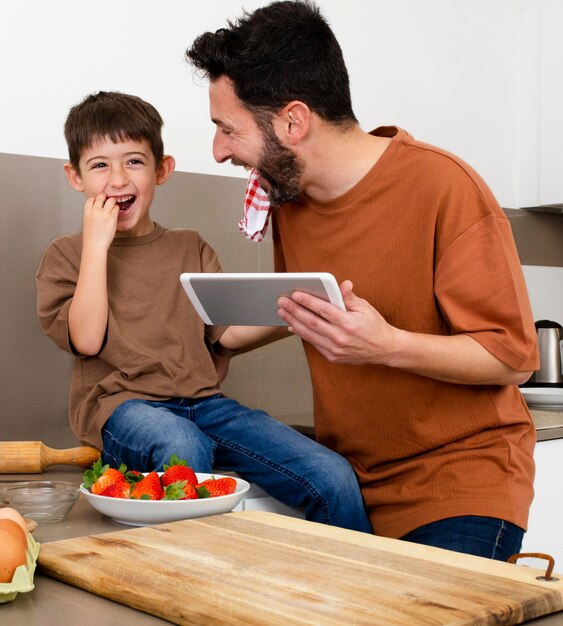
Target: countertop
{"type": "Point", "coordinates": [549, 424]}
{"type": "Point", "coordinates": [52, 603]}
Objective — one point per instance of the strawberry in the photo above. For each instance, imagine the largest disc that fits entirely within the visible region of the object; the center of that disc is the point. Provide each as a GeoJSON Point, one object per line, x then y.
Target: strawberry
{"type": "Point", "coordinates": [102, 476]}
{"type": "Point", "coordinates": [213, 487]}
{"type": "Point", "coordinates": [118, 489]}
{"type": "Point", "coordinates": [176, 471]}
{"type": "Point", "coordinates": [149, 488]}
{"type": "Point", "coordinates": [180, 490]}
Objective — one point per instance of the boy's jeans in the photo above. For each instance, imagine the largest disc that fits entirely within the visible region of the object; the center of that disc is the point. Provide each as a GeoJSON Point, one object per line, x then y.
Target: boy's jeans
{"type": "Point", "coordinates": [218, 433]}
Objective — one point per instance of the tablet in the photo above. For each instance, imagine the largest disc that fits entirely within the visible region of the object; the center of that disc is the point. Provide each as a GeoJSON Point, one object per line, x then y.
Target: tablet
{"type": "Point", "coordinates": [250, 299]}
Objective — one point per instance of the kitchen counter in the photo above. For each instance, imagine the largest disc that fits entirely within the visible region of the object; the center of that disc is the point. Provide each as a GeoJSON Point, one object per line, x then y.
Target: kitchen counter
{"type": "Point", "coordinates": [549, 424]}
{"type": "Point", "coordinates": [52, 603]}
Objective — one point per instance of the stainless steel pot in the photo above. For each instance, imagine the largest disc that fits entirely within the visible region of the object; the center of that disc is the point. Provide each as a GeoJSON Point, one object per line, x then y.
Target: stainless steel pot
{"type": "Point", "coordinates": [550, 338]}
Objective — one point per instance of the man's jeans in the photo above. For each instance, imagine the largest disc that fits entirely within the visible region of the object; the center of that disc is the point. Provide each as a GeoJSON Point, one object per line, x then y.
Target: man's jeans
{"type": "Point", "coordinates": [218, 433]}
{"type": "Point", "coordinates": [471, 534]}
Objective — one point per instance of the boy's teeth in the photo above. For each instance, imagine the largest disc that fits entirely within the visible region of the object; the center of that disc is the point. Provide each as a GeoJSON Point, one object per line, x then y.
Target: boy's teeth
{"type": "Point", "coordinates": [125, 203]}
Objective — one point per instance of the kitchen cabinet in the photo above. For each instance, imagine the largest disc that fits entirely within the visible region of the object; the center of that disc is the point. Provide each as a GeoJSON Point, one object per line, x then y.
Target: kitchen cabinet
{"type": "Point", "coordinates": [545, 533]}
{"type": "Point", "coordinates": [541, 92]}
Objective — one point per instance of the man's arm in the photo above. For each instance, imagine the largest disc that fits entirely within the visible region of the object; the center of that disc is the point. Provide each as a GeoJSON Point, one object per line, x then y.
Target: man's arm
{"type": "Point", "coordinates": [360, 335]}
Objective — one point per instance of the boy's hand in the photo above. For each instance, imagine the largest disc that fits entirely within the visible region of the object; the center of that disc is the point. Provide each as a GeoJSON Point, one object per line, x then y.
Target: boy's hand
{"type": "Point", "coordinates": [100, 221]}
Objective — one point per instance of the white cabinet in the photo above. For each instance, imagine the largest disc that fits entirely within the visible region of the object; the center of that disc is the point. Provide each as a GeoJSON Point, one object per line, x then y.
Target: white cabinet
{"type": "Point", "coordinates": [545, 530]}
{"type": "Point", "coordinates": [541, 94]}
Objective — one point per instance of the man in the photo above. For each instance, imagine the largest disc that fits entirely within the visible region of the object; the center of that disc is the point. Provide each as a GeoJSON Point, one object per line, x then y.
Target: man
{"type": "Point", "coordinates": [416, 382]}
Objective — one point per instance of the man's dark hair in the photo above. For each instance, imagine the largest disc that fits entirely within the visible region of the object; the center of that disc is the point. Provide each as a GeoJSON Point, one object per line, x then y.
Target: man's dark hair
{"type": "Point", "coordinates": [114, 115]}
{"type": "Point", "coordinates": [281, 52]}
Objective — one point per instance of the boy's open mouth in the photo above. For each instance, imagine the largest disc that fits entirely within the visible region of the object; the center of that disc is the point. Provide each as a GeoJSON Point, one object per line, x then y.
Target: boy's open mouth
{"type": "Point", "coordinates": [125, 203]}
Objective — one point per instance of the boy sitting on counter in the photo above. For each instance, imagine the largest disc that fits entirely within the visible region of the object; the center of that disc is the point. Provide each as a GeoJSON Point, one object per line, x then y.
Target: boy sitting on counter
{"type": "Point", "coordinates": [145, 383]}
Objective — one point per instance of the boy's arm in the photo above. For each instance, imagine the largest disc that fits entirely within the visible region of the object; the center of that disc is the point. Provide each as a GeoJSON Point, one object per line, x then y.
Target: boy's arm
{"type": "Point", "coordinates": [88, 312]}
{"type": "Point", "coordinates": [239, 339]}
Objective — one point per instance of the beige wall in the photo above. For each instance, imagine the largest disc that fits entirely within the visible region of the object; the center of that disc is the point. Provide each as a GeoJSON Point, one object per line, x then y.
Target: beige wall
{"type": "Point", "coordinates": [37, 205]}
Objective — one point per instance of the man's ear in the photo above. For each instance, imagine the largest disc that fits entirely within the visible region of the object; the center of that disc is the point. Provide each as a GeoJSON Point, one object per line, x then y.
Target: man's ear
{"type": "Point", "coordinates": [73, 177]}
{"type": "Point", "coordinates": [165, 169]}
{"type": "Point", "coordinates": [295, 118]}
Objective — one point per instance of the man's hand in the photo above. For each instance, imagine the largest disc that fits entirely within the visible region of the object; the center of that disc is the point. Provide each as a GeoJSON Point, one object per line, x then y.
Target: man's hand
{"type": "Point", "coordinates": [360, 335]}
{"type": "Point", "coordinates": [356, 336]}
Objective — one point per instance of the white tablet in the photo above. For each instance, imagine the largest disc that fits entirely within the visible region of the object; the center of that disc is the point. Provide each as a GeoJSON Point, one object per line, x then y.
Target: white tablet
{"type": "Point", "coordinates": [251, 299]}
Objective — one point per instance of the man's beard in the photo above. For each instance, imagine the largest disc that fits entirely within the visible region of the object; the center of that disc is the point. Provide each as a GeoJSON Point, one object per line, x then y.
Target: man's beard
{"type": "Point", "coordinates": [280, 168]}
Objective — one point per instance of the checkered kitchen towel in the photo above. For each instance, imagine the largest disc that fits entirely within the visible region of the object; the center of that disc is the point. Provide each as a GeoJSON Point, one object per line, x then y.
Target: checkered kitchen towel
{"type": "Point", "coordinates": [256, 210]}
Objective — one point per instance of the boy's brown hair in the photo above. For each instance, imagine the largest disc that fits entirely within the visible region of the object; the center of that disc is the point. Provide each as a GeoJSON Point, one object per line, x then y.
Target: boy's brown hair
{"type": "Point", "coordinates": [117, 116]}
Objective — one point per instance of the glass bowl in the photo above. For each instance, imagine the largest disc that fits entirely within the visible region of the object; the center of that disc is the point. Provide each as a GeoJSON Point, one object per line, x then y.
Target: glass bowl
{"type": "Point", "coordinates": [40, 500]}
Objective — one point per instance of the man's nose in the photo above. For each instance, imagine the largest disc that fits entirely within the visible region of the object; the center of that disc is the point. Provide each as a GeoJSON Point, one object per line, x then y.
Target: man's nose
{"type": "Point", "coordinates": [221, 151]}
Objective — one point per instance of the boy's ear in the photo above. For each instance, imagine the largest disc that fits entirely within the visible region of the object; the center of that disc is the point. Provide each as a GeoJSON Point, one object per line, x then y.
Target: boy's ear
{"type": "Point", "coordinates": [73, 177]}
{"type": "Point", "coordinates": [165, 169]}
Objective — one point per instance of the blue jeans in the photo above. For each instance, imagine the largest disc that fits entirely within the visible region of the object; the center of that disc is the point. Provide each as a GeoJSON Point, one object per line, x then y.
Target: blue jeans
{"type": "Point", "coordinates": [220, 434]}
{"type": "Point", "coordinates": [482, 536]}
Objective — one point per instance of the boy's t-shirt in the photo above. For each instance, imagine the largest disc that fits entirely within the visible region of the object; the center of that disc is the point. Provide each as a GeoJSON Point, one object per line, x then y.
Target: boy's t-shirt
{"type": "Point", "coordinates": [156, 346]}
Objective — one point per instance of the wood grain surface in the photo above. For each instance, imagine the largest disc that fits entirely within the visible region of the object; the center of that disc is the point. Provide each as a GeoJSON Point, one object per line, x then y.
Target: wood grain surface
{"type": "Point", "coordinates": [257, 568]}
{"type": "Point", "coordinates": [33, 457]}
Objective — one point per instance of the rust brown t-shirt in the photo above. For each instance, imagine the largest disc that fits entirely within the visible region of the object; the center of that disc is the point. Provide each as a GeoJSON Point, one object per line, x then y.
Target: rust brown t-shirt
{"type": "Point", "coordinates": [155, 346]}
{"type": "Point", "coordinates": [424, 241]}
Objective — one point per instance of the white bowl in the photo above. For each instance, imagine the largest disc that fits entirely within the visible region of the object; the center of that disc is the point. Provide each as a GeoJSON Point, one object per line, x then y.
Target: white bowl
{"type": "Point", "coordinates": [547, 398]}
{"type": "Point", "coordinates": [148, 512]}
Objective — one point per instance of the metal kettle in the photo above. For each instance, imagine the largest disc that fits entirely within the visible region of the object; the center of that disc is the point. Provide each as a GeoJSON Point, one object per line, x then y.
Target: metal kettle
{"type": "Point", "coordinates": [550, 338]}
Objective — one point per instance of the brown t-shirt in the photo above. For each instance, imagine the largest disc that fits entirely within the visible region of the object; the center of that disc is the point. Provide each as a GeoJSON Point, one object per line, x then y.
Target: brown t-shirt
{"type": "Point", "coordinates": [424, 241]}
{"type": "Point", "coordinates": [155, 346]}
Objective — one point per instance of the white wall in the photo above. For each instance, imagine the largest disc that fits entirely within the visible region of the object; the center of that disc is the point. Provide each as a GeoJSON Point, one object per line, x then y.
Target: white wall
{"type": "Point", "coordinates": [545, 288]}
{"type": "Point", "coordinates": [446, 71]}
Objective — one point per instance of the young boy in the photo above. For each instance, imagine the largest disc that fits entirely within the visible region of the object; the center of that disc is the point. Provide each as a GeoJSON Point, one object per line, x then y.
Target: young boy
{"type": "Point", "coordinates": [145, 384]}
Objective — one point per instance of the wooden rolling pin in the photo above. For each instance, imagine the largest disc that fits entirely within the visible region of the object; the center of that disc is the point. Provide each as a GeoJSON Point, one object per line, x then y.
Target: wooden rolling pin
{"type": "Point", "coordinates": [32, 457]}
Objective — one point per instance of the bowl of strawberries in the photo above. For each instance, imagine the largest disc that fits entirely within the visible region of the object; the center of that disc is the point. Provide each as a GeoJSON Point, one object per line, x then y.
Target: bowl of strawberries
{"type": "Point", "coordinates": [142, 499]}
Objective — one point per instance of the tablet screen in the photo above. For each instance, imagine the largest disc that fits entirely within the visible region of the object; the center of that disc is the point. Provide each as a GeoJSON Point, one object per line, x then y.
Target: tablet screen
{"type": "Point", "coordinates": [250, 299]}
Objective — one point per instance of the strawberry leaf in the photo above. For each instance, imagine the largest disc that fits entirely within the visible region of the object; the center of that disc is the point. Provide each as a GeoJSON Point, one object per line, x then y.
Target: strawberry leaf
{"type": "Point", "coordinates": [133, 476]}
{"type": "Point", "coordinates": [203, 492]}
{"type": "Point", "coordinates": [91, 475]}
{"type": "Point", "coordinates": [174, 460]}
{"type": "Point", "coordinates": [175, 491]}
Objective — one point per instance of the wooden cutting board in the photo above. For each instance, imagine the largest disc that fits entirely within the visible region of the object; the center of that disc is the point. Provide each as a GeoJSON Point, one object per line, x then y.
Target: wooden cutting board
{"type": "Point", "coordinates": [257, 568]}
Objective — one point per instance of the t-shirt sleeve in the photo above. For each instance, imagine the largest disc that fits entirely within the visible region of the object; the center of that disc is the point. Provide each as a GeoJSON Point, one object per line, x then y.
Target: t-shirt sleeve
{"type": "Point", "coordinates": [481, 290]}
{"type": "Point", "coordinates": [55, 281]}
{"type": "Point", "coordinates": [210, 263]}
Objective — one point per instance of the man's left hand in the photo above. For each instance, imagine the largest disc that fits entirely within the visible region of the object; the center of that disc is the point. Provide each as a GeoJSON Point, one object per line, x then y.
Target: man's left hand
{"type": "Point", "coordinates": [356, 336]}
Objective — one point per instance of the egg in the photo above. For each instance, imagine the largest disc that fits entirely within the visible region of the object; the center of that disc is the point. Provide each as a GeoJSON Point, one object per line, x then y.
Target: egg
{"type": "Point", "coordinates": [16, 529]}
{"type": "Point", "coordinates": [12, 554]}
{"type": "Point", "coordinates": [8, 513]}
